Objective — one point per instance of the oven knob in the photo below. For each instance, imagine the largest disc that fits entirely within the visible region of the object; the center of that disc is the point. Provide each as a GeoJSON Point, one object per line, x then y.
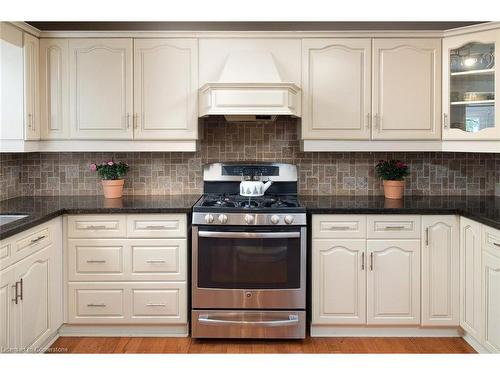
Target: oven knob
{"type": "Point", "coordinates": [289, 219]}
{"type": "Point", "coordinates": [223, 218]}
{"type": "Point", "coordinates": [275, 219]}
{"type": "Point", "coordinates": [249, 219]}
{"type": "Point", "coordinates": [209, 218]}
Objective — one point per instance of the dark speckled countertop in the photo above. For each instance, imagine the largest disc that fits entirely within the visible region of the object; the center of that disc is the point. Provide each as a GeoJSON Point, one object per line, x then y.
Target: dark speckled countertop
{"type": "Point", "coordinates": [483, 209]}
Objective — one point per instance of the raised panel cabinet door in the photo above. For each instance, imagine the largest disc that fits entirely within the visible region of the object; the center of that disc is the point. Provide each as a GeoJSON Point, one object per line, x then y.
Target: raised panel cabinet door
{"type": "Point", "coordinates": [165, 89]}
{"type": "Point", "coordinates": [339, 281]}
{"type": "Point", "coordinates": [7, 310]}
{"type": "Point", "coordinates": [470, 277]}
{"type": "Point", "coordinates": [491, 302]}
{"type": "Point", "coordinates": [54, 88]}
{"type": "Point", "coordinates": [406, 89]}
{"type": "Point", "coordinates": [470, 86]}
{"type": "Point", "coordinates": [393, 282]}
{"type": "Point", "coordinates": [101, 88]}
{"type": "Point", "coordinates": [31, 105]}
{"type": "Point", "coordinates": [336, 84]}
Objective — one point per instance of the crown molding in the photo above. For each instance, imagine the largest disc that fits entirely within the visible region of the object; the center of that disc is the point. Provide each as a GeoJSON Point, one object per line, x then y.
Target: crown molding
{"type": "Point", "coordinates": [26, 27]}
{"type": "Point", "coordinates": [472, 29]}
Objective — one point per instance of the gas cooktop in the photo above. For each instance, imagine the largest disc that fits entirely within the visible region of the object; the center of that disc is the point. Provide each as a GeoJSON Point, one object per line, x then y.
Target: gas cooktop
{"type": "Point", "coordinates": [238, 203]}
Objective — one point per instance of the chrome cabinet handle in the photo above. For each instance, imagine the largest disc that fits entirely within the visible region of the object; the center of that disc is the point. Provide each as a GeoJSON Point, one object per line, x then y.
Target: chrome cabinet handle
{"type": "Point", "coordinates": [446, 123]}
{"type": "Point", "coordinates": [156, 227]}
{"type": "Point", "coordinates": [95, 227]}
{"type": "Point", "coordinates": [136, 120]}
{"type": "Point", "coordinates": [35, 240]}
{"type": "Point", "coordinates": [30, 121]}
{"type": "Point", "coordinates": [496, 244]}
{"type": "Point", "coordinates": [96, 305]}
{"type": "Point", "coordinates": [376, 121]}
{"type": "Point", "coordinates": [128, 120]}
{"type": "Point", "coordinates": [368, 120]}
{"type": "Point", "coordinates": [292, 320]}
{"type": "Point", "coordinates": [16, 296]}
{"type": "Point", "coordinates": [371, 261]}
{"type": "Point", "coordinates": [339, 228]}
{"type": "Point", "coordinates": [427, 236]}
{"type": "Point", "coordinates": [394, 227]}
{"type": "Point", "coordinates": [95, 261]}
{"type": "Point", "coordinates": [363, 260]}
{"type": "Point", "coordinates": [154, 261]}
{"type": "Point", "coordinates": [22, 289]}
{"type": "Point", "coordinates": [156, 304]}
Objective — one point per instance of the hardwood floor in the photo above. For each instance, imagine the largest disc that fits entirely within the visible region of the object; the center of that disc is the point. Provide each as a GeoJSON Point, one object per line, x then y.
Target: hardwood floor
{"type": "Point", "coordinates": [91, 345]}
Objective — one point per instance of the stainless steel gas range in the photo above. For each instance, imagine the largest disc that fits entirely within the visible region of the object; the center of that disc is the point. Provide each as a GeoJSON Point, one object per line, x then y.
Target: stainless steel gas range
{"type": "Point", "coordinates": [249, 255]}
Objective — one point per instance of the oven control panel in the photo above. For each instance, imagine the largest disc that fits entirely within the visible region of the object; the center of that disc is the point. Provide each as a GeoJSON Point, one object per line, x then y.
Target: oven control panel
{"type": "Point", "coordinates": [202, 218]}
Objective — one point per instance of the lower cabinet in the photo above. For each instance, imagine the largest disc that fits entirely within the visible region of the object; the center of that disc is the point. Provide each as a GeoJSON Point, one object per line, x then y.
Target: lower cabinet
{"type": "Point", "coordinates": [393, 282]}
{"type": "Point", "coordinates": [491, 302]}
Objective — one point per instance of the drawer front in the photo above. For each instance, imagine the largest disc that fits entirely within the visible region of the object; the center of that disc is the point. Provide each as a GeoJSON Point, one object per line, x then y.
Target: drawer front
{"type": "Point", "coordinates": [99, 302]}
{"type": "Point", "coordinates": [33, 241]}
{"type": "Point", "coordinates": [491, 240]}
{"type": "Point", "coordinates": [156, 303]}
{"type": "Point", "coordinates": [5, 251]}
{"type": "Point", "coordinates": [164, 257]}
{"type": "Point", "coordinates": [339, 226]}
{"type": "Point", "coordinates": [97, 226]}
{"type": "Point", "coordinates": [393, 226]}
{"type": "Point", "coordinates": [92, 259]}
{"type": "Point", "coordinates": [157, 226]}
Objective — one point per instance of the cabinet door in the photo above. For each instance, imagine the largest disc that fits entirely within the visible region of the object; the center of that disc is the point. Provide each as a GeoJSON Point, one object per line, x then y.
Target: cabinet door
{"type": "Point", "coordinates": [469, 88]}
{"type": "Point", "coordinates": [165, 88]}
{"type": "Point", "coordinates": [336, 84]}
{"type": "Point", "coordinates": [406, 89]}
{"type": "Point", "coordinates": [339, 282]}
{"type": "Point", "coordinates": [393, 282]}
{"type": "Point", "coordinates": [31, 120]}
{"type": "Point", "coordinates": [440, 271]}
{"type": "Point", "coordinates": [470, 277]}
{"type": "Point", "coordinates": [101, 88]}
{"type": "Point", "coordinates": [491, 302]}
{"type": "Point", "coordinates": [54, 88]}
{"type": "Point", "coordinates": [7, 310]}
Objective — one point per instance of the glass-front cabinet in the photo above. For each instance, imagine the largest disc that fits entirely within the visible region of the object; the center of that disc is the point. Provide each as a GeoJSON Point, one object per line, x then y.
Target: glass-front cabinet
{"type": "Point", "coordinates": [470, 87]}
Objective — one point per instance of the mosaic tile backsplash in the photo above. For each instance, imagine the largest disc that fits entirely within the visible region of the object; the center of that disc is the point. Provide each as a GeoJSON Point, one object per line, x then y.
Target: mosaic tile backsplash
{"type": "Point", "coordinates": [341, 173]}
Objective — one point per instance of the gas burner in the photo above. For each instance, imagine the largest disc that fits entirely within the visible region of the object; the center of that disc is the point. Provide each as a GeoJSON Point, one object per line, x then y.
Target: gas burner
{"type": "Point", "coordinates": [279, 203]}
{"type": "Point", "coordinates": [249, 204]}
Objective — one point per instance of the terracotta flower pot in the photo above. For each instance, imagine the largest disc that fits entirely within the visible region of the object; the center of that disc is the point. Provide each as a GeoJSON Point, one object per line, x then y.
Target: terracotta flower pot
{"type": "Point", "coordinates": [112, 188]}
{"type": "Point", "coordinates": [394, 189]}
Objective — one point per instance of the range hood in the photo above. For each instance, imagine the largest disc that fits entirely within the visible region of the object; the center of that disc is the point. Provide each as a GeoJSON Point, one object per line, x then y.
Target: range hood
{"type": "Point", "coordinates": [249, 88]}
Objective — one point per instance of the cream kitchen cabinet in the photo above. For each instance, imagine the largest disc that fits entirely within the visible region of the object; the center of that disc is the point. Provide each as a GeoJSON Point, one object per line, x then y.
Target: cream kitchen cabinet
{"type": "Point", "coordinates": [440, 271]}
{"type": "Point", "coordinates": [165, 88]}
{"type": "Point", "coordinates": [393, 282]}
{"type": "Point", "coordinates": [31, 97]}
{"type": "Point", "coordinates": [31, 287]}
{"type": "Point", "coordinates": [491, 302]}
{"type": "Point", "coordinates": [470, 278]}
{"type": "Point", "coordinates": [336, 88]}
{"type": "Point", "coordinates": [470, 86]}
{"type": "Point", "coordinates": [101, 102]}
{"type": "Point", "coordinates": [406, 89]}
{"type": "Point", "coordinates": [54, 88]}
{"type": "Point", "coordinates": [339, 281]}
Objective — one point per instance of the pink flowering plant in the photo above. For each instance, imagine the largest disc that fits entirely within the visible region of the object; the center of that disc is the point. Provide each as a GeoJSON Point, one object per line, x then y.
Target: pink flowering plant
{"type": "Point", "coordinates": [110, 170]}
{"type": "Point", "coordinates": [392, 170]}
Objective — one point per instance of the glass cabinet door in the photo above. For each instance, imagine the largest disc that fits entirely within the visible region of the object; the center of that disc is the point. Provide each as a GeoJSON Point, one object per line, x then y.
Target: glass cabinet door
{"type": "Point", "coordinates": [469, 87]}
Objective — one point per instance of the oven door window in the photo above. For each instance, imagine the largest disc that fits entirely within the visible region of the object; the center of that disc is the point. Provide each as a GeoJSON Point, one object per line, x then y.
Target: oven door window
{"type": "Point", "coordinates": [248, 263]}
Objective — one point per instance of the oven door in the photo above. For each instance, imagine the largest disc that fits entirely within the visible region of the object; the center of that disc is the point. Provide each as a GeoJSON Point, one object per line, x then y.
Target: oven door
{"type": "Point", "coordinates": [249, 268]}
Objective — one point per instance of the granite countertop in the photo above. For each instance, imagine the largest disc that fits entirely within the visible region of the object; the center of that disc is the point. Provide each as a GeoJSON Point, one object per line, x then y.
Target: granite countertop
{"type": "Point", "coordinates": [44, 208]}
{"type": "Point", "coordinates": [484, 209]}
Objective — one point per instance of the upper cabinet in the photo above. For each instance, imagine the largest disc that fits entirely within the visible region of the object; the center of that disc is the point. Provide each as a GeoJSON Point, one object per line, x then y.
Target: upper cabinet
{"type": "Point", "coordinates": [54, 88]}
{"type": "Point", "coordinates": [336, 87]}
{"type": "Point", "coordinates": [100, 72]}
{"type": "Point", "coordinates": [31, 118]}
{"type": "Point", "coordinates": [406, 89]}
{"type": "Point", "coordinates": [165, 88]}
{"type": "Point", "coordinates": [469, 88]}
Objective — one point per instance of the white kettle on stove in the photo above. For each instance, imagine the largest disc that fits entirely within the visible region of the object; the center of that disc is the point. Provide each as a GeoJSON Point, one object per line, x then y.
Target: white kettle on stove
{"type": "Point", "coordinates": [252, 186]}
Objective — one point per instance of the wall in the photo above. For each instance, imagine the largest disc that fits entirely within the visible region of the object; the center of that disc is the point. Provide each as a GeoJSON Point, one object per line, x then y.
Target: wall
{"type": "Point", "coordinates": [340, 173]}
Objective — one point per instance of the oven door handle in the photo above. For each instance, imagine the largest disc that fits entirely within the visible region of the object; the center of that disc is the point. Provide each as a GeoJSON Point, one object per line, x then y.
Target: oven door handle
{"type": "Point", "coordinates": [292, 320]}
{"type": "Point", "coordinates": [210, 234]}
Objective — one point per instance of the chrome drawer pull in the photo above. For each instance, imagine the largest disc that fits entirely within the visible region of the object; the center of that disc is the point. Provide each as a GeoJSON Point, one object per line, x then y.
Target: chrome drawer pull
{"type": "Point", "coordinates": [155, 304]}
{"type": "Point", "coordinates": [35, 240]}
{"type": "Point", "coordinates": [362, 261]}
{"type": "Point", "coordinates": [154, 261]}
{"type": "Point", "coordinates": [371, 261]}
{"type": "Point", "coordinates": [395, 227]}
{"type": "Point", "coordinates": [96, 261]}
{"type": "Point", "coordinates": [94, 227]}
{"type": "Point", "coordinates": [16, 296]}
{"type": "Point", "coordinates": [496, 244]}
{"type": "Point", "coordinates": [96, 305]}
{"type": "Point", "coordinates": [156, 227]}
{"type": "Point", "coordinates": [339, 228]}
{"type": "Point", "coordinates": [292, 320]}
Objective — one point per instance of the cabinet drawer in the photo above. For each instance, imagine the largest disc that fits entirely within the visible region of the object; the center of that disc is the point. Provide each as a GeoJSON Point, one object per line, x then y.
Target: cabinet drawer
{"type": "Point", "coordinates": [162, 257]}
{"type": "Point", "coordinates": [97, 226]}
{"type": "Point", "coordinates": [162, 302]}
{"type": "Point", "coordinates": [339, 226]}
{"type": "Point", "coordinates": [93, 258]}
{"type": "Point", "coordinates": [33, 241]}
{"type": "Point", "coordinates": [393, 226]}
{"type": "Point", "coordinates": [491, 240]}
{"type": "Point", "coordinates": [99, 302]}
{"type": "Point", "coordinates": [157, 226]}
